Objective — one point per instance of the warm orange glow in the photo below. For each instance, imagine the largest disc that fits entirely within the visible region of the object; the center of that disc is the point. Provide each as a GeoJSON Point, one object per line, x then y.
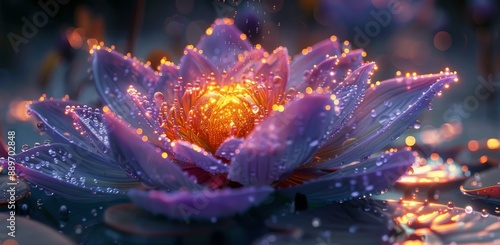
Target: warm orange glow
{"type": "Point", "coordinates": [209, 31]}
{"type": "Point", "coordinates": [75, 37]}
{"type": "Point", "coordinates": [164, 155]}
{"type": "Point", "coordinates": [138, 131]}
{"type": "Point", "coordinates": [434, 156]}
{"type": "Point", "coordinates": [410, 141]}
{"type": "Point", "coordinates": [18, 111]}
{"type": "Point", "coordinates": [92, 43]}
{"type": "Point", "coordinates": [309, 90]}
{"type": "Point", "coordinates": [493, 144]}
{"type": "Point", "coordinates": [209, 115]}
{"type": "Point", "coordinates": [473, 145]}
{"type": "Point", "coordinates": [105, 109]}
{"type": "Point", "coordinates": [483, 159]}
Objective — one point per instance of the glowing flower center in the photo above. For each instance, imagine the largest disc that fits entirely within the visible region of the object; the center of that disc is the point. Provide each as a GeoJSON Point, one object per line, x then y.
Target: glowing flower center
{"type": "Point", "coordinates": [221, 113]}
{"type": "Point", "coordinates": [206, 115]}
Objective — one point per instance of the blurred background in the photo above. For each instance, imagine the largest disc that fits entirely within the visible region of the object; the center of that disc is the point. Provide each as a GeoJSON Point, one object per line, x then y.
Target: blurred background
{"type": "Point", "coordinates": [44, 48]}
{"type": "Point", "coordinates": [44, 53]}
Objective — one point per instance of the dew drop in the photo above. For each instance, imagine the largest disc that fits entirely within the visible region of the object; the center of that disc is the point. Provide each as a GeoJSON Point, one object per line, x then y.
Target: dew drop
{"type": "Point", "coordinates": [450, 205]}
{"type": "Point", "coordinates": [353, 229]}
{"type": "Point", "coordinates": [255, 109]}
{"type": "Point", "coordinates": [40, 125]}
{"type": "Point", "coordinates": [63, 211]}
{"type": "Point", "coordinates": [484, 213]}
{"type": "Point", "coordinates": [468, 209]}
{"type": "Point", "coordinates": [39, 203]}
{"type": "Point", "coordinates": [430, 107]}
{"type": "Point", "coordinates": [436, 194]}
{"type": "Point", "coordinates": [417, 125]}
{"type": "Point", "coordinates": [24, 209]}
{"type": "Point", "coordinates": [497, 210]}
{"type": "Point", "coordinates": [410, 170]}
{"type": "Point", "coordinates": [78, 229]}
{"type": "Point", "coordinates": [316, 222]}
{"type": "Point", "coordinates": [251, 199]}
{"type": "Point", "coordinates": [373, 113]}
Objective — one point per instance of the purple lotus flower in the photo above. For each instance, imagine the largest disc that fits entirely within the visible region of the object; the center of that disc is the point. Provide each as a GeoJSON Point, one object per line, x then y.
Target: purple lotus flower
{"type": "Point", "coordinates": [227, 127]}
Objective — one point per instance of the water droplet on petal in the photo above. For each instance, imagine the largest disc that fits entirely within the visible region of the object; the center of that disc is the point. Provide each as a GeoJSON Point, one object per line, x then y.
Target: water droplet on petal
{"type": "Point", "coordinates": [450, 205]}
{"type": "Point", "coordinates": [417, 125]}
{"type": "Point", "coordinates": [63, 211]}
{"type": "Point", "coordinates": [78, 229]}
{"type": "Point", "coordinates": [484, 213]}
{"type": "Point", "coordinates": [410, 170]}
{"type": "Point", "coordinates": [468, 209]}
{"type": "Point", "coordinates": [255, 109]}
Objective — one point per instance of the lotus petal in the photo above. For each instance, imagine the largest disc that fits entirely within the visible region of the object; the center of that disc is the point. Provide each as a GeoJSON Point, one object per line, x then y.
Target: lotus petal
{"type": "Point", "coordinates": [357, 180]}
{"type": "Point", "coordinates": [274, 73]}
{"type": "Point", "coordinates": [143, 160]}
{"type": "Point", "coordinates": [283, 141]}
{"type": "Point", "coordinates": [204, 204]}
{"type": "Point", "coordinates": [332, 72]}
{"type": "Point", "coordinates": [73, 172]}
{"type": "Point", "coordinates": [114, 74]}
{"type": "Point", "coordinates": [305, 62]}
{"type": "Point", "coordinates": [223, 43]}
{"type": "Point", "coordinates": [386, 111]}
{"type": "Point", "coordinates": [228, 148]}
{"type": "Point", "coordinates": [350, 94]}
{"type": "Point", "coordinates": [168, 77]}
{"type": "Point", "coordinates": [245, 67]}
{"type": "Point", "coordinates": [191, 153]}
{"type": "Point", "coordinates": [195, 67]}
{"type": "Point", "coordinates": [68, 121]}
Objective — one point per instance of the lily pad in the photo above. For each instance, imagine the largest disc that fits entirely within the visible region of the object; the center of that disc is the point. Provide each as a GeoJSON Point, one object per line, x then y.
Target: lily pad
{"type": "Point", "coordinates": [30, 232]}
{"type": "Point", "coordinates": [358, 221]}
{"type": "Point", "coordinates": [20, 189]}
{"type": "Point", "coordinates": [484, 185]}
{"type": "Point", "coordinates": [428, 223]}
{"type": "Point", "coordinates": [432, 171]}
{"type": "Point", "coordinates": [129, 218]}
